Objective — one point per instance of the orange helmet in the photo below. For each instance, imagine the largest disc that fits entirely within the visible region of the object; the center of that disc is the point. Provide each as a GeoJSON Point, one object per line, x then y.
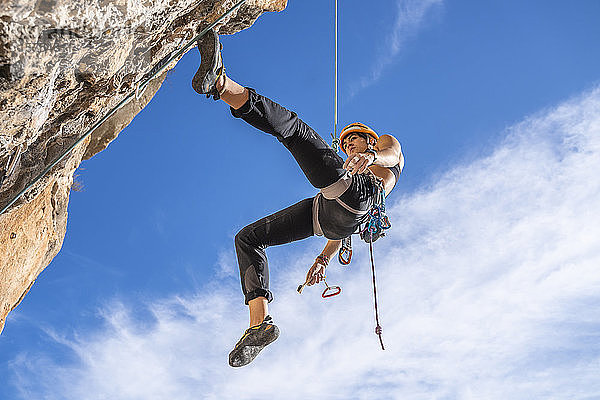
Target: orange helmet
{"type": "Point", "coordinates": [356, 127]}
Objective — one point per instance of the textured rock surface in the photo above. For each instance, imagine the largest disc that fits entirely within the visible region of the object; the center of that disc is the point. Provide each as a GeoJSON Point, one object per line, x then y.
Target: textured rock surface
{"type": "Point", "coordinates": [63, 65]}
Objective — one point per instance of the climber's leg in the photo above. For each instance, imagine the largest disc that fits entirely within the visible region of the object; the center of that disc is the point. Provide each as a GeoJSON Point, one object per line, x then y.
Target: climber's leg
{"type": "Point", "coordinates": [319, 162]}
{"type": "Point", "coordinates": [233, 93]}
{"type": "Point", "coordinates": [285, 226]}
{"type": "Point", "coordinates": [291, 224]}
{"type": "Point", "coordinates": [321, 165]}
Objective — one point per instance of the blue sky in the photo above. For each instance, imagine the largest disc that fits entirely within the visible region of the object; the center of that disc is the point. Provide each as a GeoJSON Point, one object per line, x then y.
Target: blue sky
{"type": "Point", "coordinates": [489, 283]}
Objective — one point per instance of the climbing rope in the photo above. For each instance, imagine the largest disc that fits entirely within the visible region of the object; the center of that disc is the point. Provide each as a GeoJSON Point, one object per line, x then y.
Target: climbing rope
{"type": "Point", "coordinates": [140, 86]}
{"type": "Point", "coordinates": [375, 228]}
{"type": "Point", "coordinates": [376, 222]}
{"type": "Point", "coordinates": [378, 330]}
{"type": "Point", "coordinates": [335, 141]}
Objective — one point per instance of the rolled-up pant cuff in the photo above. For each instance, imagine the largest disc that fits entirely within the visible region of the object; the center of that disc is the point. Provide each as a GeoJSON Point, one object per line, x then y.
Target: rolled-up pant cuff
{"type": "Point", "coordinates": [259, 293]}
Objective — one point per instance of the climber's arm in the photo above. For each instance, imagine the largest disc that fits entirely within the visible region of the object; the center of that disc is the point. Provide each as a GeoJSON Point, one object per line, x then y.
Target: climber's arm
{"type": "Point", "coordinates": [316, 273]}
{"type": "Point", "coordinates": [389, 152]}
{"type": "Point", "coordinates": [332, 247]}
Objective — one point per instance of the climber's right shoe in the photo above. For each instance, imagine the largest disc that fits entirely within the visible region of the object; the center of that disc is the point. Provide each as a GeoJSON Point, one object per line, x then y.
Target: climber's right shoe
{"type": "Point", "coordinates": [253, 341]}
{"type": "Point", "coordinates": [211, 65]}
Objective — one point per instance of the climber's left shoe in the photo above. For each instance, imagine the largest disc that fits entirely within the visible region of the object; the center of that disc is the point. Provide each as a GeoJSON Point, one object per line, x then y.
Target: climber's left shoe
{"type": "Point", "coordinates": [211, 65]}
{"type": "Point", "coordinates": [253, 341]}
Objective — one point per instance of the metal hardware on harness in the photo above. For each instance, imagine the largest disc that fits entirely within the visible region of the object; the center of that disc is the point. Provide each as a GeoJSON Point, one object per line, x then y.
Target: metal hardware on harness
{"type": "Point", "coordinates": [377, 222]}
{"type": "Point", "coordinates": [345, 253]}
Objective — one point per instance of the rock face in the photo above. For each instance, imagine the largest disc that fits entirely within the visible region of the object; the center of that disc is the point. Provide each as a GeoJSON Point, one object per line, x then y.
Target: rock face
{"type": "Point", "coordinates": [63, 66]}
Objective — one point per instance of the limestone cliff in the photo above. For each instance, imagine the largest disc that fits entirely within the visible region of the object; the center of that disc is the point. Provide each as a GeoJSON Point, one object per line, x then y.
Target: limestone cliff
{"type": "Point", "coordinates": [63, 65]}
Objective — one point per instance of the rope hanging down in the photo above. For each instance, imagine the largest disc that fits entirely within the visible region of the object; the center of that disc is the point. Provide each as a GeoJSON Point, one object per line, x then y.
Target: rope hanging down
{"type": "Point", "coordinates": [140, 86]}
{"type": "Point", "coordinates": [378, 330]}
{"type": "Point", "coordinates": [377, 223]}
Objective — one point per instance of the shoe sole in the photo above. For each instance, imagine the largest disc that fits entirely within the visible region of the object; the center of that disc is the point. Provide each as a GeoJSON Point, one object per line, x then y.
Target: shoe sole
{"type": "Point", "coordinates": [209, 64]}
{"type": "Point", "coordinates": [245, 353]}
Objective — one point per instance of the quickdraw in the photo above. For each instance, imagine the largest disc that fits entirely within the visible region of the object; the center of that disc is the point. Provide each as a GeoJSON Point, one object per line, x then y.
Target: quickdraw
{"type": "Point", "coordinates": [345, 253]}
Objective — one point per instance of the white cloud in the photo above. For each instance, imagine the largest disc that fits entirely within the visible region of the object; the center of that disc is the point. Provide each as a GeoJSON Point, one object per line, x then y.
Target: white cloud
{"type": "Point", "coordinates": [227, 262]}
{"type": "Point", "coordinates": [488, 282]}
{"type": "Point", "coordinates": [409, 20]}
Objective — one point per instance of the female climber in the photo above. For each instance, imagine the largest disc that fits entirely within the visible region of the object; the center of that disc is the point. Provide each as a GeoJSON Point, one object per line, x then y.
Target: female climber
{"type": "Point", "coordinates": [347, 190]}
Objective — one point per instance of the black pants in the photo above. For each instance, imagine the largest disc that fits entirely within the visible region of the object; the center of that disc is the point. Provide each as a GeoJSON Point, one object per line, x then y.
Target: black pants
{"type": "Point", "coordinates": [322, 166]}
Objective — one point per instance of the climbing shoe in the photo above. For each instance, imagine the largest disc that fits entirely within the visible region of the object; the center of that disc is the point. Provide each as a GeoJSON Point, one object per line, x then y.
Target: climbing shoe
{"type": "Point", "coordinates": [211, 65]}
{"type": "Point", "coordinates": [253, 341]}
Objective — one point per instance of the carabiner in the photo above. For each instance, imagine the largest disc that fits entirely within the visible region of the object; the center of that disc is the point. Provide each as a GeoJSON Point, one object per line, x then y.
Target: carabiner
{"type": "Point", "coordinates": [385, 222]}
{"type": "Point", "coordinates": [345, 252]}
{"type": "Point", "coordinates": [334, 289]}
{"type": "Point", "coordinates": [345, 256]}
{"type": "Point", "coordinates": [140, 87]}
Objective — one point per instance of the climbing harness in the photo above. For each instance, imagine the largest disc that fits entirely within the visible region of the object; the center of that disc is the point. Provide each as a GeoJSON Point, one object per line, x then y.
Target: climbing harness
{"type": "Point", "coordinates": [137, 92]}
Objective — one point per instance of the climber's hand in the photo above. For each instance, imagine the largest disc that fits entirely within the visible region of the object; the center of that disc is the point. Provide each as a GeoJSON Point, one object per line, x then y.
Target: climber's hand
{"type": "Point", "coordinates": [358, 163]}
{"type": "Point", "coordinates": [316, 273]}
